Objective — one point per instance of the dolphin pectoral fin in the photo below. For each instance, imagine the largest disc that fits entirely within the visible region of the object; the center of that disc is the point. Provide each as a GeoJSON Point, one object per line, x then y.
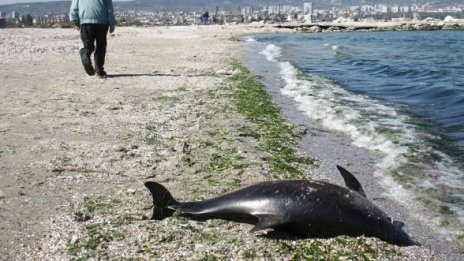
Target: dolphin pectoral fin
{"type": "Point", "coordinates": [351, 182]}
{"type": "Point", "coordinates": [267, 221]}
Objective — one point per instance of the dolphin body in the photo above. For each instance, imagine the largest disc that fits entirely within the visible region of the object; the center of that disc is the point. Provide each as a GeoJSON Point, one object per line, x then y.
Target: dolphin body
{"type": "Point", "coordinates": [304, 208]}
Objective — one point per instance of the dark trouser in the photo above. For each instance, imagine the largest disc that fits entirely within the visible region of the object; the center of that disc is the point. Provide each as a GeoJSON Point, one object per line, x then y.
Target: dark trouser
{"type": "Point", "coordinates": [91, 33]}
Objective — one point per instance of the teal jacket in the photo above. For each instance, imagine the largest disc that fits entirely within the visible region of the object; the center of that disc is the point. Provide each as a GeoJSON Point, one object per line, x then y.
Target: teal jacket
{"type": "Point", "coordinates": [92, 12]}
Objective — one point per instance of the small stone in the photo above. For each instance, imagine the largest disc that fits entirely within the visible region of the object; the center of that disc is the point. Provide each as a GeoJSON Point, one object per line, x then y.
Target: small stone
{"type": "Point", "coordinates": [73, 240]}
{"type": "Point", "coordinates": [2, 195]}
{"type": "Point", "coordinates": [131, 191]}
{"type": "Point", "coordinates": [221, 72]}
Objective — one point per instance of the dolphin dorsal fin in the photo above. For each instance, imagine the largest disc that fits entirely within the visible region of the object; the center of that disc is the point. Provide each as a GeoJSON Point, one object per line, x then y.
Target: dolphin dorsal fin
{"type": "Point", "coordinates": [351, 182]}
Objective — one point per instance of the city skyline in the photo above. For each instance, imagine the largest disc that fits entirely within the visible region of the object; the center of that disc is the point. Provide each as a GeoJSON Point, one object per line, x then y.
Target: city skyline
{"type": "Point", "coordinates": [186, 4]}
{"type": "Point", "coordinates": [8, 2]}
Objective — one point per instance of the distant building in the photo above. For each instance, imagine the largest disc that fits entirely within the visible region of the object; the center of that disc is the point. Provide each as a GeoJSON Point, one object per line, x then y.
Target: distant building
{"type": "Point", "coordinates": [272, 9]}
{"type": "Point", "coordinates": [308, 12]}
{"type": "Point", "coordinates": [381, 8]}
{"type": "Point", "coordinates": [367, 8]}
{"type": "Point", "coordinates": [247, 13]}
{"type": "Point", "coordinates": [308, 8]}
{"type": "Point", "coordinates": [405, 9]}
{"type": "Point", "coordinates": [427, 8]}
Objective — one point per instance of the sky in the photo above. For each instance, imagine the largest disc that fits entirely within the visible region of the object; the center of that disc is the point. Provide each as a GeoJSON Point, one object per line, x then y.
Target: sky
{"type": "Point", "coordinates": [7, 2]}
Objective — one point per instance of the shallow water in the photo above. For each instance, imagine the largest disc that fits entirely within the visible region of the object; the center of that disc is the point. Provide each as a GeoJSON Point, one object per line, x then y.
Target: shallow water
{"type": "Point", "coordinates": [399, 93]}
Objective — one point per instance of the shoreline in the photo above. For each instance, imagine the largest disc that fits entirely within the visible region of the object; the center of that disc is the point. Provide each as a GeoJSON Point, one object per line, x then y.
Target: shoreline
{"type": "Point", "coordinates": [332, 148]}
{"type": "Point", "coordinates": [347, 26]}
{"type": "Point", "coordinates": [94, 143]}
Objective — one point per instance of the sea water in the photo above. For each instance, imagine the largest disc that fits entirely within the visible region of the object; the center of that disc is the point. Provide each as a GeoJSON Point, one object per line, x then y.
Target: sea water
{"type": "Point", "coordinates": [398, 93]}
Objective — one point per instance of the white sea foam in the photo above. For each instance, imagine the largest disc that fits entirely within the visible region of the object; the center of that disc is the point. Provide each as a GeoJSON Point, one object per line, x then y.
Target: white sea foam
{"type": "Point", "coordinates": [249, 39]}
{"type": "Point", "coordinates": [272, 52]}
{"type": "Point", "coordinates": [331, 46]}
{"type": "Point", "coordinates": [339, 110]}
{"type": "Point", "coordinates": [335, 108]}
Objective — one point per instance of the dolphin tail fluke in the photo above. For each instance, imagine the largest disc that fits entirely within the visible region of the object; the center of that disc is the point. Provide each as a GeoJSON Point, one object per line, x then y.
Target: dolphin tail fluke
{"type": "Point", "coordinates": [164, 205]}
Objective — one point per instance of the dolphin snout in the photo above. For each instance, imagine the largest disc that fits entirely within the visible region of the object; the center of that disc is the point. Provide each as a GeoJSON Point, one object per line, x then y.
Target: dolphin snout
{"type": "Point", "coordinates": [400, 237]}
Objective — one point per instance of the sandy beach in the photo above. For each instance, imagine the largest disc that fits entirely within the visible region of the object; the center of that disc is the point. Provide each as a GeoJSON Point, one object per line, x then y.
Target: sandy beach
{"type": "Point", "coordinates": [75, 151]}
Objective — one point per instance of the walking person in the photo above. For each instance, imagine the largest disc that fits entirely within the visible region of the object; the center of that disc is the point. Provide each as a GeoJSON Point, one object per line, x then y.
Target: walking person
{"type": "Point", "coordinates": [205, 18]}
{"type": "Point", "coordinates": [94, 18]}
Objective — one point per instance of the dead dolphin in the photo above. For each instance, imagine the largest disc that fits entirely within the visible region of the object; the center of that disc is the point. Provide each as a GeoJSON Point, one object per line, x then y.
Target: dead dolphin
{"type": "Point", "coordinates": [300, 207]}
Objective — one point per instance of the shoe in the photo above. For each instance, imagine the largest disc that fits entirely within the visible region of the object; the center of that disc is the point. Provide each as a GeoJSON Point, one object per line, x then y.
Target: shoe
{"type": "Point", "coordinates": [102, 74]}
{"type": "Point", "coordinates": [87, 63]}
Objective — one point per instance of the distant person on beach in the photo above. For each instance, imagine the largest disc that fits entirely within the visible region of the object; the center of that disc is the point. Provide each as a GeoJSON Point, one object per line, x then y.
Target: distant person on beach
{"type": "Point", "coordinates": [205, 17]}
{"type": "Point", "coordinates": [93, 18]}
